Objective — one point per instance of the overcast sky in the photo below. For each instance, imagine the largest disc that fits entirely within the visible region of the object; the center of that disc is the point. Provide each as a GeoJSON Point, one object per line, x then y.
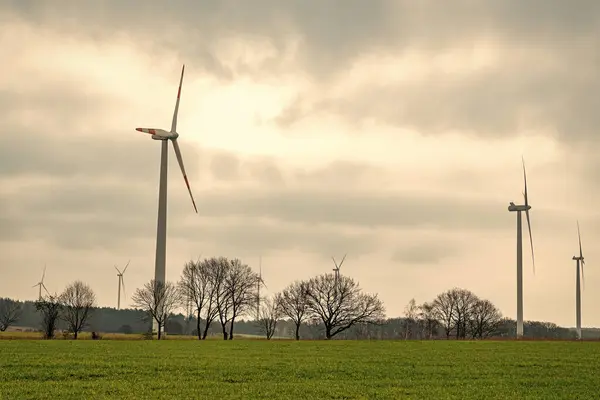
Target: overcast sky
{"type": "Point", "coordinates": [389, 130]}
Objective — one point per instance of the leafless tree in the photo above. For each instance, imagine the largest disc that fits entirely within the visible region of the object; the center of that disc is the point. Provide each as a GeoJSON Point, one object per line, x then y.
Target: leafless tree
{"type": "Point", "coordinates": [223, 300]}
{"type": "Point", "coordinates": [485, 319]}
{"type": "Point", "coordinates": [10, 312]}
{"type": "Point", "coordinates": [198, 287]}
{"type": "Point", "coordinates": [340, 303]}
{"type": "Point", "coordinates": [410, 318]}
{"type": "Point", "coordinates": [294, 304]}
{"type": "Point", "coordinates": [50, 308]}
{"type": "Point", "coordinates": [443, 310]}
{"type": "Point", "coordinates": [240, 283]}
{"type": "Point", "coordinates": [159, 300]}
{"type": "Point", "coordinates": [269, 313]}
{"type": "Point", "coordinates": [77, 301]}
{"type": "Point", "coordinates": [464, 301]}
{"type": "Point", "coordinates": [427, 320]}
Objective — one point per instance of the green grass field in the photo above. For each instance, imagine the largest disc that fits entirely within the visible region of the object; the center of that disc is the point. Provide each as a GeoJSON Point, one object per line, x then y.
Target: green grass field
{"type": "Point", "coordinates": [252, 369]}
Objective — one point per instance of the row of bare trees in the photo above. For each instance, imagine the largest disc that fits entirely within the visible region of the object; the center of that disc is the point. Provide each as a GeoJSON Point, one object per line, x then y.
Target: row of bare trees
{"type": "Point", "coordinates": [74, 306]}
{"type": "Point", "coordinates": [458, 313]}
{"type": "Point", "coordinates": [223, 290]}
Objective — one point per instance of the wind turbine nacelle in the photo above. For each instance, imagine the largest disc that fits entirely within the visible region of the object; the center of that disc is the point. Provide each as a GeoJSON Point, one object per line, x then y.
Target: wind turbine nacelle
{"type": "Point", "coordinates": [514, 207]}
{"type": "Point", "coordinates": [165, 135]}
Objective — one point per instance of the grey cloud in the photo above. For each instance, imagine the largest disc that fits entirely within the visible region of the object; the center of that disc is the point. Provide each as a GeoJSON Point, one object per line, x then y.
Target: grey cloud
{"type": "Point", "coordinates": [427, 252]}
{"type": "Point", "coordinates": [333, 33]}
{"type": "Point", "coordinates": [498, 101]}
{"type": "Point", "coordinates": [553, 86]}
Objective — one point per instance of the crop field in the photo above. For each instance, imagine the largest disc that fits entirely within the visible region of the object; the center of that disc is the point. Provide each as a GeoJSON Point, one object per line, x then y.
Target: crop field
{"type": "Point", "coordinates": [281, 369]}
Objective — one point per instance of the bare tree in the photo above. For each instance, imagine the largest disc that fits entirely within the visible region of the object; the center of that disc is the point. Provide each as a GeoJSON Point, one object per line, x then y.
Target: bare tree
{"type": "Point", "coordinates": [485, 319]}
{"type": "Point", "coordinates": [241, 284]}
{"type": "Point", "coordinates": [443, 310]}
{"type": "Point", "coordinates": [340, 304]}
{"type": "Point", "coordinates": [77, 301]}
{"type": "Point", "coordinates": [196, 286]}
{"type": "Point", "coordinates": [223, 300]}
{"type": "Point", "coordinates": [10, 312]}
{"type": "Point", "coordinates": [269, 313]}
{"type": "Point", "coordinates": [410, 313]}
{"type": "Point", "coordinates": [464, 300]}
{"type": "Point", "coordinates": [294, 304]}
{"type": "Point", "coordinates": [50, 308]}
{"type": "Point", "coordinates": [159, 300]}
{"type": "Point", "coordinates": [427, 319]}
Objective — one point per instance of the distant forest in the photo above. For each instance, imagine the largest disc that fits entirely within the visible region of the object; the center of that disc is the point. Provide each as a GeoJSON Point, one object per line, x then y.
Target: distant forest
{"type": "Point", "coordinates": [111, 320]}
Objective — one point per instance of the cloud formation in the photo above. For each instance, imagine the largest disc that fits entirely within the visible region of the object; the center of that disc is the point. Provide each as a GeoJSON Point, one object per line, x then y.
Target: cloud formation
{"type": "Point", "coordinates": [391, 130]}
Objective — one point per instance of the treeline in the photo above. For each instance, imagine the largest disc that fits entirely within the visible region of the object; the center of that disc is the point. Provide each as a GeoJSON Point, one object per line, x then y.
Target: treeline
{"type": "Point", "coordinates": [220, 295]}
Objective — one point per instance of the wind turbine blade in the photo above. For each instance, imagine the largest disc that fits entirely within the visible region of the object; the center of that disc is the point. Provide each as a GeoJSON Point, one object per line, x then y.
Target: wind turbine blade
{"type": "Point", "coordinates": [37, 284]}
{"type": "Point", "coordinates": [579, 237]}
{"type": "Point", "coordinates": [525, 181]}
{"type": "Point", "coordinates": [341, 262]}
{"type": "Point", "coordinates": [117, 269]}
{"type": "Point", "coordinates": [123, 285]}
{"type": "Point", "coordinates": [44, 286]}
{"type": "Point", "coordinates": [530, 239]}
{"type": "Point", "coordinates": [44, 273]}
{"type": "Point", "coordinates": [180, 161]}
{"type": "Point", "coordinates": [174, 123]}
{"type": "Point", "coordinates": [127, 265]}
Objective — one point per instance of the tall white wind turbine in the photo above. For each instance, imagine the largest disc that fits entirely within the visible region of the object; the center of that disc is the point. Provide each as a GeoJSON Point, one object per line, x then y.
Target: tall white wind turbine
{"type": "Point", "coordinates": [161, 229]}
{"type": "Point", "coordinates": [518, 209]}
{"type": "Point", "coordinates": [578, 280]}
{"type": "Point", "coordinates": [121, 284]}
{"type": "Point", "coordinates": [41, 285]}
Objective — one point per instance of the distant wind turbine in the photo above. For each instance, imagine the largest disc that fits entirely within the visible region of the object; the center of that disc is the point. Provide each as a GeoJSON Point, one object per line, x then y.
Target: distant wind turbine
{"type": "Point", "coordinates": [41, 285]}
{"type": "Point", "coordinates": [259, 283]}
{"type": "Point", "coordinates": [121, 284]}
{"type": "Point", "coordinates": [518, 209]}
{"type": "Point", "coordinates": [336, 271]}
{"type": "Point", "coordinates": [579, 263]}
{"type": "Point", "coordinates": [161, 230]}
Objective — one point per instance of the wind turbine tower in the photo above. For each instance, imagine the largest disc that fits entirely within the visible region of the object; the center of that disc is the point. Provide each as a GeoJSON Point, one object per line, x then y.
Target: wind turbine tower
{"type": "Point", "coordinates": [519, 209]}
{"type": "Point", "coordinates": [161, 228]}
{"type": "Point", "coordinates": [120, 284]}
{"type": "Point", "coordinates": [578, 280]}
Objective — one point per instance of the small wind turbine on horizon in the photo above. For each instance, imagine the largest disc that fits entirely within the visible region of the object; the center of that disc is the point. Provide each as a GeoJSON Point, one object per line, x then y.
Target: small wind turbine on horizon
{"type": "Point", "coordinates": [336, 271]}
{"type": "Point", "coordinates": [578, 280]}
{"type": "Point", "coordinates": [121, 284]}
{"type": "Point", "coordinates": [161, 229]}
{"type": "Point", "coordinates": [41, 285]}
{"type": "Point", "coordinates": [518, 209]}
{"type": "Point", "coordinates": [259, 283]}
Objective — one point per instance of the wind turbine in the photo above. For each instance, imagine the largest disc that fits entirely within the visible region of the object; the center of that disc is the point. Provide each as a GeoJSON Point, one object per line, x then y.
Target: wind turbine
{"type": "Point", "coordinates": [41, 285]}
{"type": "Point", "coordinates": [121, 284]}
{"type": "Point", "coordinates": [336, 270]}
{"type": "Point", "coordinates": [161, 229]}
{"type": "Point", "coordinates": [580, 263]}
{"type": "Point", "coordinates": [518, 209]}
{"type": "Point", "coordinates": [259, 283]}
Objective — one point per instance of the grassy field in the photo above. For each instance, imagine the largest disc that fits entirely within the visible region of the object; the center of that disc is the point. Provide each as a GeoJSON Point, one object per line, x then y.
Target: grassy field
{"type": "Point", "coordinates": [252, 369]}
